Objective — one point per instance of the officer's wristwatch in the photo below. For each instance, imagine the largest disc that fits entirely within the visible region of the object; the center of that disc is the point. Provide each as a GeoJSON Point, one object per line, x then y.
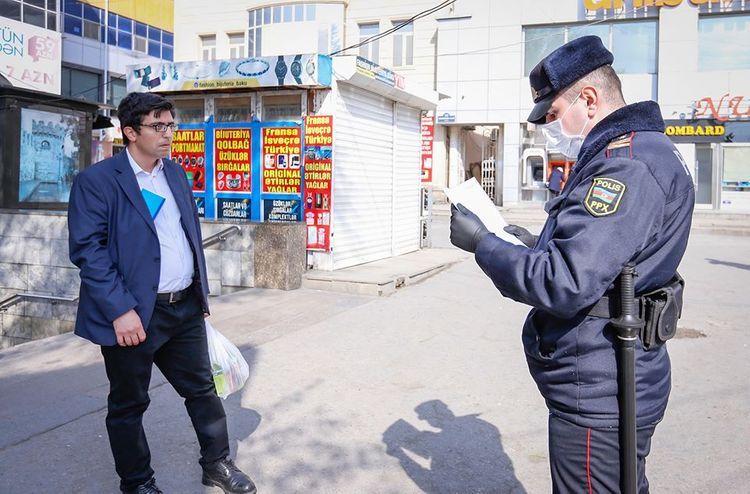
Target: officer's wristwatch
{"type": "Point", "coordinates": [280, 70]}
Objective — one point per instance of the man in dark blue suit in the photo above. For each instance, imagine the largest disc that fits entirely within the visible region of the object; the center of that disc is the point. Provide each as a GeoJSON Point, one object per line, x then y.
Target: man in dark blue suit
{"type": "Point", "coordinates": [135, 235]}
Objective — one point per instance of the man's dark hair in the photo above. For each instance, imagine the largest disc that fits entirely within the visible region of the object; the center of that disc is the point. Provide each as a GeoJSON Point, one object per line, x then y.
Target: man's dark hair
{"type": "Point", "coordinates": [134, 106]}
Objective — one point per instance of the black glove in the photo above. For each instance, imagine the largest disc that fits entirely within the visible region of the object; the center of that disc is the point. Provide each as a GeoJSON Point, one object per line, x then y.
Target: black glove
{"type": "Point", "coordinates": [466, 228]}
{"type": "Point", "coordinates": [522, 234]}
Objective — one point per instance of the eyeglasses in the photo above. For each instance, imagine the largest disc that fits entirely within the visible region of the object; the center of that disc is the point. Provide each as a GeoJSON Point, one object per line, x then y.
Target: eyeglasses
{"type": "Point", "coordinates": [161, 127]}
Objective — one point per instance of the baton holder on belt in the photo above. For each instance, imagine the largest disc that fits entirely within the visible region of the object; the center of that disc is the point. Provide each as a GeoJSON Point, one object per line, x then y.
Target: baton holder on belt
{"type": "Point", "coordinates": [628, 326]}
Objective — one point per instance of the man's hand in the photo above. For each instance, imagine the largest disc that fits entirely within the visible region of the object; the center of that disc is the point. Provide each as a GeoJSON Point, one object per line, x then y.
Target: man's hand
{"type": "Point", "coordinates": [522, 234]}
{"type": "Point", "coordinates": [466, 228]}
{"type": "Point", "coordinates": [129, 329]}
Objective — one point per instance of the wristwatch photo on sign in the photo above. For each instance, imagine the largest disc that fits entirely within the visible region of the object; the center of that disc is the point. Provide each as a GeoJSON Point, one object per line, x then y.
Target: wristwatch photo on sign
{"type": "Point", "coordinates": [297, 68]}
{"type": "Point", "coordinates": [280, 70]}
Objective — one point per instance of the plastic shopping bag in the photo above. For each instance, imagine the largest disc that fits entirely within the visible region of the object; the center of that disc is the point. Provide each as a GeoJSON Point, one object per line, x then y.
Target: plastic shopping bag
{"type": "Point", "coordinates": [228, 366]}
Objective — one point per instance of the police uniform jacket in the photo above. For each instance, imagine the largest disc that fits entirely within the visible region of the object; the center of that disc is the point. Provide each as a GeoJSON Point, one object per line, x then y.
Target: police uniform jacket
{"type": "Point", "coordinates": [629, 198]}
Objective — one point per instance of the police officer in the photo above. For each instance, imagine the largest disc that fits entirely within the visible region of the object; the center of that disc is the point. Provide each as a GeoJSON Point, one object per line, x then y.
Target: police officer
{"type": "Point", "coordinates": [629, 199]}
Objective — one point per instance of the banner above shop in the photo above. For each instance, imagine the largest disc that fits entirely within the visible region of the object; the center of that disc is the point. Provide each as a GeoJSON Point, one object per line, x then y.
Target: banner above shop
{"type": "Point", "coordinates": [707, 130]}
{"type": "Point", "coordinates": [30, 57]}
{"type": "Point", "coordinates": [310, 70]}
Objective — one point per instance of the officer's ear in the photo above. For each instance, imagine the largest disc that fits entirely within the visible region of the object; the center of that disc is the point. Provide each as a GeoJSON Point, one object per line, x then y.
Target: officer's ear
{"type": "Point", "coordinates": [592, 97]}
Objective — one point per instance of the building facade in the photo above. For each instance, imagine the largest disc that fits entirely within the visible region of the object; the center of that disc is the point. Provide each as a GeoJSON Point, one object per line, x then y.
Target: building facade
{"type": "Point", "coordinates": [689, 55]}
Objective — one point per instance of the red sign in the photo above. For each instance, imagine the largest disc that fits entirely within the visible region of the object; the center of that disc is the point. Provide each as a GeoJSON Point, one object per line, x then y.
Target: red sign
{"type": "Point", "coordinates": [232, 160]}
{"type": "Point", "coordinates": [428, 137]}
{"type": "Point", "coordinates": [318, 180]}
{"type": "Point", "coordinates": [726, 109]}
{"type": "Point", "coordinates": [188, 151]}
{"type": "Point", "coordinates": [282, 160]}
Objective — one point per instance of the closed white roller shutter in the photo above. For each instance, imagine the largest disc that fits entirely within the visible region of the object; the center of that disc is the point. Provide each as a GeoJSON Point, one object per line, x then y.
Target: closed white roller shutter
{"type": "Point", "coordinates": [363, 177]}
{"type": "Point", "coordinates": [407, 180]}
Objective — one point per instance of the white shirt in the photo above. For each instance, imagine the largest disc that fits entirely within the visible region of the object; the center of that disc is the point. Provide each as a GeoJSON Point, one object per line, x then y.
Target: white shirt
{"type": "Point", "coordinates": [176, 269]}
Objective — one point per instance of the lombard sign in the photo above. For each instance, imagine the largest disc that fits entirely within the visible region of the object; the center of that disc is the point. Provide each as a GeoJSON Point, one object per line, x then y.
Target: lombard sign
{"type": "Point", "coordinates": [30, 57]}
{"type": "Point", "coordinates": [291, 70]}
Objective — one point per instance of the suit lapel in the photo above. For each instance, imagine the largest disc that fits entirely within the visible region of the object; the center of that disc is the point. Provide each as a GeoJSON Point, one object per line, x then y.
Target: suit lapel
{"type": "Point", "coordinates": [126, 178]}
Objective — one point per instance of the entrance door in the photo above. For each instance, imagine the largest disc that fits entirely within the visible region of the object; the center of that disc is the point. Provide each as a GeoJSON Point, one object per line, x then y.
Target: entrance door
{"type": "Point", "coordinates": [704, 174]}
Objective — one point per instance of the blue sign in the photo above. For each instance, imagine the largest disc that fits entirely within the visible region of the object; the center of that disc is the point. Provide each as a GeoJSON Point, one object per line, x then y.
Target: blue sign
{"type": "Point", "coordinates": [446, 118]}
{"type": "Point", "coordinates": [281, 210]}
{"type": "Point", "coordinates": [233, 209]}
{"type": "Point", "coordinates": [200, 203]}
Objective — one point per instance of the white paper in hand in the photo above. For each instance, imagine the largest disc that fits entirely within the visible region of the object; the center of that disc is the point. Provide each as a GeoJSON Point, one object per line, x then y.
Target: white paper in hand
{"type": "Point", "coordinates": [471, 195]}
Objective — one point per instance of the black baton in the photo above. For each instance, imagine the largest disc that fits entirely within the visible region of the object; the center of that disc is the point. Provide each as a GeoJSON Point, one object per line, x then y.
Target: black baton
{"type": "Point", "coordinates": [628, 326]}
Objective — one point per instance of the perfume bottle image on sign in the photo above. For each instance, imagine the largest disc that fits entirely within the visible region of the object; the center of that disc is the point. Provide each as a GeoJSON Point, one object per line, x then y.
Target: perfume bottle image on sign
{"type": "Point", "coordinates": [325, 201]}
{"type": "Point", "coordinates": [309, 201]}
{"type": "Point", "coordinates": [321, 236]}
{"type": "Point", "coordinates": [312, 235]}
{"type": "Point", "coordinates": [318, 200]}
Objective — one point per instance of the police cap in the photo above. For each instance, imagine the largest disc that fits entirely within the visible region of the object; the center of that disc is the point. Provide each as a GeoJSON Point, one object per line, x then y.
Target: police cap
{"type": "Point", "coordinates": [563, 67]}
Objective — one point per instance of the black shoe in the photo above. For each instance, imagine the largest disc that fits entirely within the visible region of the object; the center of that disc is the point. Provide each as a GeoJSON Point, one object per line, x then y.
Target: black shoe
{"type": "Point", "coordinates": [226, 475]}
{"type": "Point", "coordinates": [149, 487]}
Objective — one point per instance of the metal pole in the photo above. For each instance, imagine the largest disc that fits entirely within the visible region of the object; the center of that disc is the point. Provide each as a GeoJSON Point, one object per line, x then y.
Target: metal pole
{"type": "Point", "coordinates": [628, 326]}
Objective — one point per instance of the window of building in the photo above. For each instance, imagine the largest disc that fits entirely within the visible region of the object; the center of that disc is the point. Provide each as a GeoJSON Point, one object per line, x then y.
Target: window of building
{"type": "Point", "coordinates": [117, 90]}
{"type": "Point", "coordinates": [208, 46]}
{"type": "Point", "coordinates": [189, 110]}
{"type": "Point", "coordinates": [36, 12]}
{"type": "Point", "coordinates": [88, 21]}
{"type": "Point", "coordinates": [633, 43]}
{"type": "Point", "coordinates": [371, 50]}
{"type": "Point", "coordinates": [328, 16]}
{"type": "Point", "coordinates": [282, 107]}
{"type": "Point", "coordinates": [722, 42]}
{"type": "Point", "coordinates": [236, 45]}
{"type": "Point", "coordinates": [233, 109]}
{"type": "Point", "coordinates": [81, 84]}
{"type": "Point", "coordinates": [403, 45]}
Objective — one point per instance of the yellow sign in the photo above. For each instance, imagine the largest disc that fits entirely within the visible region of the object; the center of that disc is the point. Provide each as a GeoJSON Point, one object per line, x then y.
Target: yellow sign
{"type": "Point", "coordinates": [619, 4]}
{"type": "Point", "coordinates": [694, 130]}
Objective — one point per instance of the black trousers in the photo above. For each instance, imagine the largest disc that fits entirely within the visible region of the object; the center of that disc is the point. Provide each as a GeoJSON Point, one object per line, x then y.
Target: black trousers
{"type": "Point", "coordinates": [176, 343]}
{"type": "Point", "coordinates": [587, 460]}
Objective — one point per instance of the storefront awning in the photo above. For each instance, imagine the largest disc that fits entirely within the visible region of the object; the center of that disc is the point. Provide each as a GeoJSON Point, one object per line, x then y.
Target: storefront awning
{"type": "Point", "coordinates": [368, 75]}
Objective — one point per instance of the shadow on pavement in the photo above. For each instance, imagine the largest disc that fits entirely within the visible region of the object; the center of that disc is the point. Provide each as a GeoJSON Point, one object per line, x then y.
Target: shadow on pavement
{"type": "Point", "coordinates": [729, 263]}
{"type": "Point", "coordinates": [465, 456]}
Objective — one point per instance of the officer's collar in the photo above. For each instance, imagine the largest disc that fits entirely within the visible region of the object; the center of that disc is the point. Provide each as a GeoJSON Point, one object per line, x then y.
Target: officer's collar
{"type": "Point", "coordinates": [638, 117]}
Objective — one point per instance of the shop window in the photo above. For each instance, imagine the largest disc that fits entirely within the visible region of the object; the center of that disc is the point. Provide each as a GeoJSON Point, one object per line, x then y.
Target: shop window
{"type": "Point", "coordinates": [720, 42]}
{"type": "Point", "coordinates": [282, 107]}
{"type": "Point", "coordinates": [208, 46]}
{"type": "Point", "coordinates": [116, 91]}
{"type": "Point", "coordinates": [403, 45]}
{"type": "Point", "coordinates": [81, 84]}
{"type": "Point", "coordinates": [189, 111]}
{"type": "Point", "coordinates": [633, 43]}
{"type": "Point", "coordinates": [371, 50]}
{"type": "Point", "coordinates": [236, 45]}
{"type": "Point", "coordinates": [232, 109]}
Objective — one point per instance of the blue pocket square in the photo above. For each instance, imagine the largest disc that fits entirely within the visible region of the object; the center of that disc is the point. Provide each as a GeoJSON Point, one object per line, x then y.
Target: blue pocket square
{"type": "Point", "coordinates": [154, 202]}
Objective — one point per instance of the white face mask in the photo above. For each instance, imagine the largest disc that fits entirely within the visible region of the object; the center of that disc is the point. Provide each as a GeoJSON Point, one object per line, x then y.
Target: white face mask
{"type": "Point", "coordinates": [560, 142]}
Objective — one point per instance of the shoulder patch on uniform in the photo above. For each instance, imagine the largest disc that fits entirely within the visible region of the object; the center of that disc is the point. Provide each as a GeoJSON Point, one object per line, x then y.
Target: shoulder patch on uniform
{"type": "Point", "coordinates": [603, 197]}
{"type": "Point", "coordinates": [620, 142]}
